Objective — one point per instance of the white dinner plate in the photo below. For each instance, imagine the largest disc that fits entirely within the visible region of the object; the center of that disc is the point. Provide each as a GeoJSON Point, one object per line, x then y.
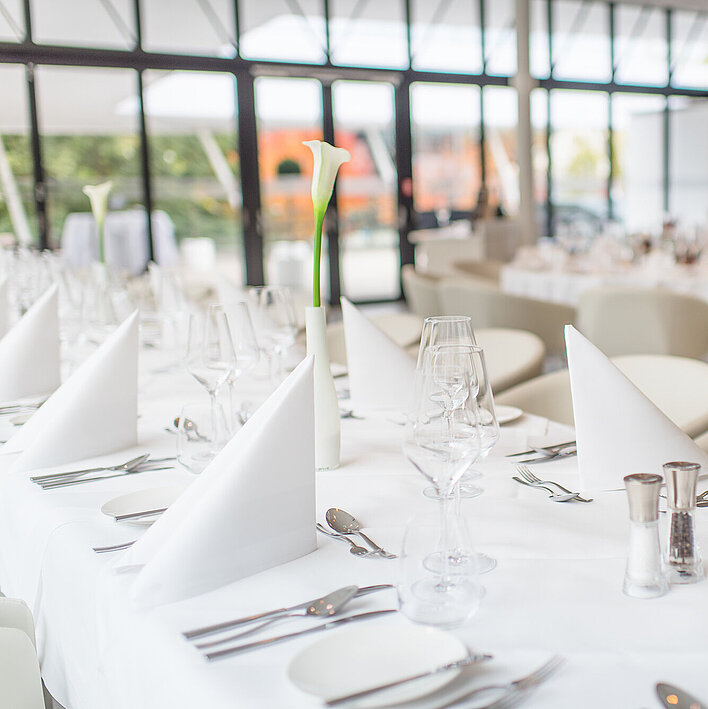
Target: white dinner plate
{"type": "Point", "coordinates": [360, 658]}
{"type": "Point", "coordinates": [507, 414]}
{"type": "Point", "coordinates": [154, 498]}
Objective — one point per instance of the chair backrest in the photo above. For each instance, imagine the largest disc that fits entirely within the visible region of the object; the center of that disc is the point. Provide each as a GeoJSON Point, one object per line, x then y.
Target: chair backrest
{"type": "Point", "coordinates": [420, 291]}
{"type": "Point", "coordinates": [491, 307]}
{"type": "Point", "coordinates": [676, 385]}
{"type": "Point", "coordinates": [485, 269]}
{"type": "Point", "coordinates": [20, 679]}
{"type": "Point", "coordinates": [702, 441]}
{"type": "Point", "coordinates": [644, 321]}
{"type": "Point", "coordinates": [15, 613]}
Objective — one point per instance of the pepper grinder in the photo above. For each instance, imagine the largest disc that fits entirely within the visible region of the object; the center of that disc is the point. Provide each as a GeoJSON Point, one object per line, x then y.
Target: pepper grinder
{"type": "Point", "coordinates": [644, 576]}
{"type": "Point", "coordinates": [683, 557]}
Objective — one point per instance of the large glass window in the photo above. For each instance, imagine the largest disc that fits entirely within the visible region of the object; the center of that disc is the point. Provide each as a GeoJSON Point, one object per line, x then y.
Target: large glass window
{"type": "Point", "coordinates": [12, 21]}
{"type": "Point", "coordinates": [99, 24]}
{"type": "Point", "coordinates": [539, 158]}
{"type": "Point", "coordinates": [638, 148]}
{"type": "Point", "coordinates": [579, 163]}
{"type": "Point", "coordinates": [500, 36]}
{"type": "Point", "coordinates": [368, 33]}
{"type": "Point", "coordinates": [17, 210]}
{"type": "Point", "coordinates": [689, 49]}
{"type": "Point", "coordinates": [189, 27]}
{"type": "Point", "coordinates": [540, 64]}
{"type": "Point", "coordinates": [95, 143]}
{"type": "Point", "coordinates": [581, 41]}
{"type": "Point", "coordinates": [366, 191]}
{"type": "Point", "coordinates": [640, 45]}
{"type": "Point", "coordinates": [282, 30]}
{"type": "Point", "coordinates": [289, 111]}
{"type": "Point", "coordinates": [446, 36]}
{"type": "Point", "coordinates": [446, 154]}
{"type": "Point", "coordinates": [500, 120]}
{"type": "Point", "coordinates": [193, 154]}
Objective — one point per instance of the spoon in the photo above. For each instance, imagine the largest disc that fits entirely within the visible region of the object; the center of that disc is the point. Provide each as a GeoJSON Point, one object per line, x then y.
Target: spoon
{"type": "Point", "coordinates": [123, 467]}
{"type": "Point", "coordinates": [327, 605]}
{"type": "Point", "coordinates": [354, 547]}
{"type": "Point", "coordinates": [554, 496]}
{"type": "Point", "coordinates": [346, 523]}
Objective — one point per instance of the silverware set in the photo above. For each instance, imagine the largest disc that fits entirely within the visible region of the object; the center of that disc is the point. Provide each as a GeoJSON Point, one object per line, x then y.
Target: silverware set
{"type": "Point", "coordinates": [327, 605]}
{"type": "Point", "coordinates": [20, 408]}
{"type": "Point", "coordinates": [344, 525]}
{"type": "Point", "coordinates": [558, 493]}
{"type": "Point", "coordinates": [548, 453]}
{"type": "Point", "coordinates": [141, 464]}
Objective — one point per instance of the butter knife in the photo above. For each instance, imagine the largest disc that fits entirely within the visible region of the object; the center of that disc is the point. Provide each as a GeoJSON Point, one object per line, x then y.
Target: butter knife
{"type": "Point", "coordinates": [676, 698]}
{"type": "Point", "coordinates": [228, 624]}
{"type": "Point", "coordinates": [238, 649]}
{"type": "Point", "coordinates": [464, 662]}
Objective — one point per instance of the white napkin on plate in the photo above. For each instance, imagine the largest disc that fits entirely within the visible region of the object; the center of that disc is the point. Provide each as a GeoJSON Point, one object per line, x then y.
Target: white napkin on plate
{"type": "Point", "coordinates": [619, 431]}
{"type": "Point", "coordinates": [29, 351]}
{"type": "Point", "coordinates": [381, 374]}
{"type": "Point", "coordinates": [252, 508]}
{"type": "Point", "coordinates": [94, 412]}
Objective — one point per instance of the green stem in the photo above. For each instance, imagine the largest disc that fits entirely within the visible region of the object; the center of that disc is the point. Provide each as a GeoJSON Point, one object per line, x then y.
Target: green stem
{"type": "Point", "coordinates": [319, 219]}
{"type": "Point", "coordinates": [100, 242]}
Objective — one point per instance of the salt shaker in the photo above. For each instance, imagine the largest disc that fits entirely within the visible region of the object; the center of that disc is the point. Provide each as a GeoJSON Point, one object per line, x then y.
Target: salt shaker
{"type": "Point", "coordinates": [644, 576]}
{"type": "Point", "coordinates": [683, 557]}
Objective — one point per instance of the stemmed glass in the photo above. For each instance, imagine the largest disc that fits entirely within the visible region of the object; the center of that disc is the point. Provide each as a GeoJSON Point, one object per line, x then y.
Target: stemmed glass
{"type": "Point", "coordinates": [442, 440]}
{"type": "Point", "coordinates": [276, 325]}
{"type": "Point", "coordinates": [245, 344]}
{"type": "Point", "coordinates": [210, 356]}
{"type": "Point", "coordinates": [449, 330]}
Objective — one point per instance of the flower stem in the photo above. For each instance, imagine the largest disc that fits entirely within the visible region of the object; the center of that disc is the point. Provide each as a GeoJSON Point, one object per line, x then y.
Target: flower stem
{"type": "Point", "coordinates": [319, 219]}
{"type": "Point", "coordinates": [101, 253]}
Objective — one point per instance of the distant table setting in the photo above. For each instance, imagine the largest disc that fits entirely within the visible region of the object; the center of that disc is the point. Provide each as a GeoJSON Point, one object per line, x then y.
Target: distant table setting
{"type": "Point", "coordinates": [166, 514]}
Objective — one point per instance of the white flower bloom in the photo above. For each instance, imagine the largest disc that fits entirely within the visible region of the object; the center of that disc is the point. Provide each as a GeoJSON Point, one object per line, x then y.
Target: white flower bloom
{"type": "Point", "coordinates": [327, 162]}
{"type": "Point", "coordinates": [98, 196]}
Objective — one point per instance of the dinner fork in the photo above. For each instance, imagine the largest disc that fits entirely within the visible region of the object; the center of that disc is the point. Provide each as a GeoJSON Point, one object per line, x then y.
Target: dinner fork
{"type": "Point", "coordinates": [532, 479]}
{"type": "Point", "coordinates": [514, 691]}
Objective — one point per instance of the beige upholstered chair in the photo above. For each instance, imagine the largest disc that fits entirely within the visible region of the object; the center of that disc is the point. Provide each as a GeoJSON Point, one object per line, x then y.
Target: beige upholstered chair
{"type": "Point", "coordinates": [485, 269]}
{"type": "Point", "coordinates": [677, 385]}
{"type": "Point", "coordinates": [421, 291]}
{"type": "Point", "coordinates": [490, 307]}
{"type": "Point", "coordinates": [644, 321]}
{"type": "Point", "coordinates": [512, 356]}
{"type": "Point", "coordinates": [702, 441]}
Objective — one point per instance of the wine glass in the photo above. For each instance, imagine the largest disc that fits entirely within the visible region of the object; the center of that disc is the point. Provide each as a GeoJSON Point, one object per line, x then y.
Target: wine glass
{"type": "Point", "coordinates": [245, 344]}
{"type": "Point", "coordinates": [448, 330]}
{"type": "Point", "coordinates": [441, 441]}
{"type": "Point", "coordinates": [210, 356]}
{"type": "Point", "coordinates": [276, 325]}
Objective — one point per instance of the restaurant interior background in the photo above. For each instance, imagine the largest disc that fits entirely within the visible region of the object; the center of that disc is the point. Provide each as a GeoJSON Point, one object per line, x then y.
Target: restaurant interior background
{"type": "Point", "coordinates": [199, 108]}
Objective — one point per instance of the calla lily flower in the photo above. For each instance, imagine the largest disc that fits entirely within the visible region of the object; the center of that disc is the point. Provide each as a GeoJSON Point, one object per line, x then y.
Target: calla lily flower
{"type": "Point", "coordinates": [328, 160]}
{"type": "Point", "coordinates": [98, 196]}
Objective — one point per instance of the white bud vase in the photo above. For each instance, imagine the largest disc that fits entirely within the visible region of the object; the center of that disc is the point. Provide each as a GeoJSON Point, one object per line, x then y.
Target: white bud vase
{"type": "Point", "coordinates": [327, 423]}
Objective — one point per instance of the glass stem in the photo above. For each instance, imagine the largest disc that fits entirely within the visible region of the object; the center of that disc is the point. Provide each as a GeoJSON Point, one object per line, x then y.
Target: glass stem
{"type": "Point", "coordinates": [212, 401]}
{"type": "Point", "coordinates": [445, 506]}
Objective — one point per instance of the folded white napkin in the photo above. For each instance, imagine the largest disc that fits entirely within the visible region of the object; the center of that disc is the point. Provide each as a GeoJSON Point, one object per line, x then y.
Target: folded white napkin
{"type": "Point", "coordinates": [29, 351]}
{"type": "Point", "coordinates": [94, 412]}
{"type": "Point", "coordinates": [619, 431]}
{"type": "Point", "coordinates": [381, 374]}
{"type": "Point", "coordinates": [251, 509]}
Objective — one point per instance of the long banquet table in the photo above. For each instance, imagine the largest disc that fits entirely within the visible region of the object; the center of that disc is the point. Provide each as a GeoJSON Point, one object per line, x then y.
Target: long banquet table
{"type": "Point", "coordinates": [557, 587]}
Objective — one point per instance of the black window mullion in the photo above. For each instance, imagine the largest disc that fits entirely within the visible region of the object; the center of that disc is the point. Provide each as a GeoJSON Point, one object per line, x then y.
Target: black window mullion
{"type": "Point", "coordinates": [482, 136]}
{"type": "Point", "coordinates": [667, 116]}
{"type": "Point", "coordinates": [549, 127]}
{"type": "Point", "coordinates": [332, 218]}
{"type": "Point", "coordinates": [404, 168]}
{"type": "Point", "coordinates": [40, 183]}
{"type": "Point", "coordinates": [145, 165]}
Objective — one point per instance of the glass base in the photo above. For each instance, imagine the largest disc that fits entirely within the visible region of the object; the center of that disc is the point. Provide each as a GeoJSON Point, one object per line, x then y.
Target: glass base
{"type": "Point", "coordinates": [434, 602]}
{"type": "Point", "coordinates": [685, 573]}
{"type": "Point", "coordinates": [466, 491]}
{"type": "Point", "coordinates": [658, 587]}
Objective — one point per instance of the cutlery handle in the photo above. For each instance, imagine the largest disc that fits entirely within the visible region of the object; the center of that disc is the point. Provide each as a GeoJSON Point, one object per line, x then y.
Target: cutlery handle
{"type": "Point", "coordinates": [114, 547]}
{"type": "Point", "coordinates": [244, 633]}
{"type": "Point", "coordinates": [138, 515]}
{"type": "Point", "coordinates": [228, 624]}
{"type": "Point", "coordinates": [218, 654]}
{"type": "Point", "coordinates": [67, 483]}
{"type": "Point", "coordinates": [376, 547]}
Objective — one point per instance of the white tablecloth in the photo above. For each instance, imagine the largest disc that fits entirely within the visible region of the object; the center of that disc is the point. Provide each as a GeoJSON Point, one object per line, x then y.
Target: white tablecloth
{"type": "Point", "coordinates": [565, 286]}
{"type": "Point", "coordinates": [557, 588]}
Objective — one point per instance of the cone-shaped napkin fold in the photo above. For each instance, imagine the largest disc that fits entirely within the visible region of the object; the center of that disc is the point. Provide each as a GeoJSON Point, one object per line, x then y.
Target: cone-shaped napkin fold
{"type": "Point", "coordinates": [94, 412]}
{"type": "Point", "coordinates": [381, 374]}
{"type": "Point", "coordinates": [252, 508]}
{"type": "Point", "coordinates": [619, 431]}
{"type": "Point", "coordinates": [29, 351]}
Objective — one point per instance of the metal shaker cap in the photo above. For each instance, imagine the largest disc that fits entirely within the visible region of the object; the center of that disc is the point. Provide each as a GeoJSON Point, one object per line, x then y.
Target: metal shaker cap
{"type": "Point", "coordinates": [643, 495]}
{"type": "Point", "coordinates": [681, 478]}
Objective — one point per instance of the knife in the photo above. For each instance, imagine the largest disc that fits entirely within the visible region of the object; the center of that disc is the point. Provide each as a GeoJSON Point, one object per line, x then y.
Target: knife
{"type": "Point", "coordinates": [227, 625]}
{"type": "Point", "coordinates": [550, 449]}
{"type": "Point", "coordinates": [218, 654]}
{"type": "Point", "coordinates": [464, 662]}
{"type": "Point", "coordinates": [676, 698]}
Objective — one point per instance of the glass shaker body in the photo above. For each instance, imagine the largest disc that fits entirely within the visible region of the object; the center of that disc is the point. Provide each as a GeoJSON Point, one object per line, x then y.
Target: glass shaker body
{"type": "Point", "coordinates": [683, 557]}
{"type": "Point", "coordinates": [644, 576]}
